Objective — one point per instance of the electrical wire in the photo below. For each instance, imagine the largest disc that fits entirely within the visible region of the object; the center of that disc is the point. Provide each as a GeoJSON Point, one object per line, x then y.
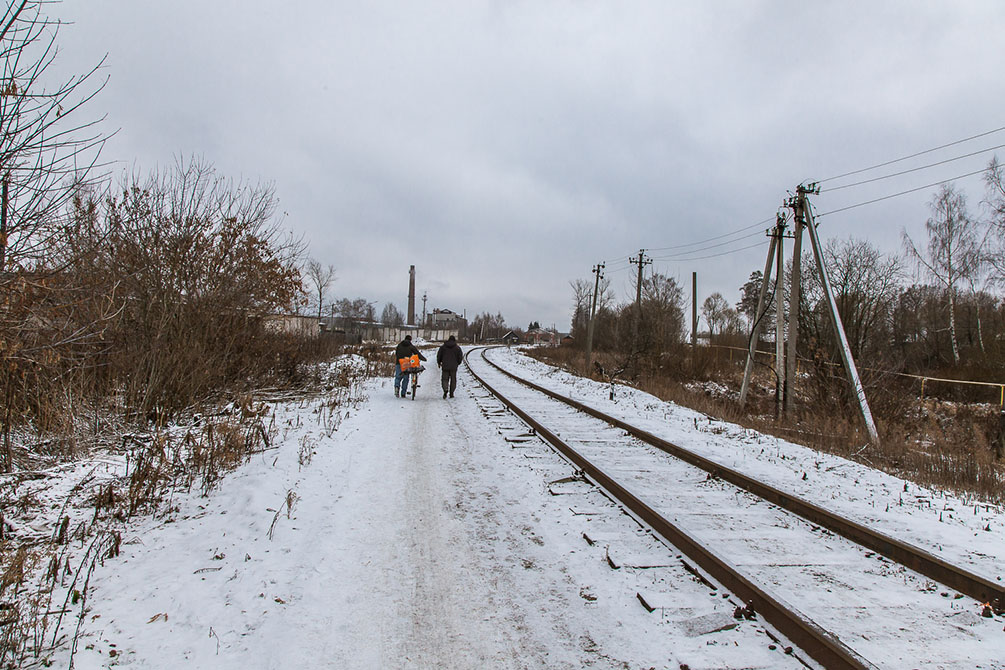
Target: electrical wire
{"type": "Point", "coordinates": [722, 253]}
{"type": "Point", "coordinates": [915, 155]}
{"type": "Point", "coordinates": [903, 172]}
{"type": "Point", "coordinates": [911, 190]}
{"type": "Point", "coordinates": [717, 237]}
{"type": "Point", "coordinates": [711, 246]}
{"type": "Point", "coordinates": [622, 259]}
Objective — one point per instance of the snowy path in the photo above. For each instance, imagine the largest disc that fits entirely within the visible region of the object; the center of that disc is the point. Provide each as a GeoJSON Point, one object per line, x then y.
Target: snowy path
{"type": "Point", "coordinates": [419, 538]}
{"type": "Point", "coordinates": [434, 534]}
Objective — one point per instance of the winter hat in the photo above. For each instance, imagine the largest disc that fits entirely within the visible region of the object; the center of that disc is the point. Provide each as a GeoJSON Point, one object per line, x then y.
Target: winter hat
{"type": "Point", "coordinates": [408, 337]}
{"type": "Point", "coordinates": [451, 339]}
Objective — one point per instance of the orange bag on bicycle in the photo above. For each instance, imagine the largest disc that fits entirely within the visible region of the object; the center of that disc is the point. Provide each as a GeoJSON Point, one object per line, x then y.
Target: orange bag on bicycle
{"type": "Point", "coordinates": [404, 363]}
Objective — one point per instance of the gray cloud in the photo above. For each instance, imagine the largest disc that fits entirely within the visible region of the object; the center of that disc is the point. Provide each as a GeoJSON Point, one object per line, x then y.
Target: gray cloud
{"type": "Point", "coordinates": [505, 147]}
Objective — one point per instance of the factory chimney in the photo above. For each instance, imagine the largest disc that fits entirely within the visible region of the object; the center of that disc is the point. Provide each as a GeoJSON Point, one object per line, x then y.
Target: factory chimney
{"type": "Point", "coordinates": [411, 295]}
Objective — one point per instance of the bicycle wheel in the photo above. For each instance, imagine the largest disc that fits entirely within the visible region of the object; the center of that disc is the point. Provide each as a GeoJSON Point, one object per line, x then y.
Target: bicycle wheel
{"type": "Point", "coordinates": [415, 385]}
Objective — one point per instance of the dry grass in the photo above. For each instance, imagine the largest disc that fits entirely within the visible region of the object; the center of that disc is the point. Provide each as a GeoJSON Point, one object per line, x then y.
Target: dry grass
{"type": "Point", "coordinates": [44, 578]}
{"type": "Point", "coordinates": [954, 446]}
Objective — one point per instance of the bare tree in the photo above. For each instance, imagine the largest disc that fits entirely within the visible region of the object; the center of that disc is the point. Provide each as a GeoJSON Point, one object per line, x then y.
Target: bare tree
{"type": "Point", "coordinates": [46, 150]}
{"type": "Point", "coordinates": [954, 248]}
{"type": "Point", "coordinates": [994, 179]}
{"type": "Point", "coordinates": [662, 312]}
{"type": "Point", "coordinates": [392, 316]}
{"type": "Point", "coordinates": [866, 284]}
{"type": "Point", "coordinates": [320, 278]}
{"type": "Point", "coordinates": [716, 312]}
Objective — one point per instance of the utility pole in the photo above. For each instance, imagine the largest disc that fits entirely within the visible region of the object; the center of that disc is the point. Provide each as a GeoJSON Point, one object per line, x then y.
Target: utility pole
{"type": "Point", "coordinates": [795, 285]}
{"type": "Point", "coordinates": [642, 262]}
{"type": "Point", "coordinates": [424, 295]}
{"type": "Point", "coordinates": [694, 313]}
{"type": "Point", "coordinates": [780, 316]}
{"type": "Point", "coordinates": [755, 330]}
{"type": "Point", "coordinates": [598, 270]}
{"type": "Point", "coordinates": [846, 356]}
{"type": "Point", "coordinates": [411, 295]}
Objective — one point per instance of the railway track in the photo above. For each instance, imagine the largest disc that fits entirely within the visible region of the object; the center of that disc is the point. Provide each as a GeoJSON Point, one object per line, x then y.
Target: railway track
{"type": "Point", "coordinates": [847, 595]}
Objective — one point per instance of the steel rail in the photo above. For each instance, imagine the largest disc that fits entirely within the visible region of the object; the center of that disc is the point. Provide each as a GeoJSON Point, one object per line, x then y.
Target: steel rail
{"type": "Point", "coordinates": [910, 556]}
{"type": "Point", "coordinates": [818, 643]}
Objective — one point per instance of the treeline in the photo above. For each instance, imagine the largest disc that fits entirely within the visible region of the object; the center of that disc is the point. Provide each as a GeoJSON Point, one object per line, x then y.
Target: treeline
{"type": "Point", "coordinates": [654, 325]}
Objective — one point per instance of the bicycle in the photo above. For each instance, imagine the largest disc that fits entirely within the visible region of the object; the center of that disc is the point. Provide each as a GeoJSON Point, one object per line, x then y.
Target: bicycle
{"type": "Point", "coordinates": [412, 367]}
{"type": "Point", "coordinates": [413, 373]}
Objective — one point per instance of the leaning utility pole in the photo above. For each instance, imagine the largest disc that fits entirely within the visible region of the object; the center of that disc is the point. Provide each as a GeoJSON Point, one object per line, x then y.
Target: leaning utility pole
{"type": "Point", "coordinates": [642, 262]}
{"type": "Point", "coordinates": [597, 270]}
{"type": "Point", "coordinates": [846, 357]}
{"type": "Point", "coordinates": [755, 329]}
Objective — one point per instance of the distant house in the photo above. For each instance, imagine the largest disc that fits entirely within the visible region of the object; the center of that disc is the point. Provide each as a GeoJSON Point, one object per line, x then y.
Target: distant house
{"type": "Point", "coordinates": [542, 336]}
{"type": "Point", "coordinates": [510, 338]}
{"type": "Point", "coordinates": [567, 340]}
{"type": "Point", "coordinates": [445, 319]}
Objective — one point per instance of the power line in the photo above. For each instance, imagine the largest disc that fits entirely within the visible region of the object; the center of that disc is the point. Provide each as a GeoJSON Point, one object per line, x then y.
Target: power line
{"type": "Point", "coordinates": [617, 261]}
{"type": "Point", "coordinates": [903, 172]}
{"type": "Point", "coordinates": [722, 253]}
{"type": "Point", "coordinates": [717, 237]}
{"type": "Point", "coordinates": [711, 246]}
{"type": "Point", "coordinates": [915, 155]}
{"type": "Point", "coordinates": [911, 190]}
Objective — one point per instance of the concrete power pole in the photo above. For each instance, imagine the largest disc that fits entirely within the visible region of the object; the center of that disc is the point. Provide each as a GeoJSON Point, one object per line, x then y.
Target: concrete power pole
{"type": "Point", "coordinates": [598, 271]}
{"type": "Point", "coordinates": [794, 298]}
{"type": "Point", "coordinates": [642, 262]}
{"type": "Point", "coordinates": [755, 330]}
{"type": "Point", "coordinates": [780, 317]}
{"type": "Point", "coordinates": [846, 357]}
{"type": "Point", "coordinates": [424, 297]}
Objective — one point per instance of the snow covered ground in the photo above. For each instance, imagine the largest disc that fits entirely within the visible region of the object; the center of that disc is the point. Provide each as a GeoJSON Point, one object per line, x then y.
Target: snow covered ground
{"type": "Point", "coordinates": [433, 534]}
{"type": "Point", "coordinates": [962, 531]}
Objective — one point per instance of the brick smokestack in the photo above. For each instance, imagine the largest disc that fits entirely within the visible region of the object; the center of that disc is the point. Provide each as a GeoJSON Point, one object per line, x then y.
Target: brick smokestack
{"type": "Point", "coordinates": [411, 295]}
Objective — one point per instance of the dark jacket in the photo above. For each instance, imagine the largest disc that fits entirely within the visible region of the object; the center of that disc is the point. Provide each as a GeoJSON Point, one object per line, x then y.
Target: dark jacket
{"type": "Point", "coordinates": [449, 356]}
{"type": "Point", "coordinates": [405, 349]}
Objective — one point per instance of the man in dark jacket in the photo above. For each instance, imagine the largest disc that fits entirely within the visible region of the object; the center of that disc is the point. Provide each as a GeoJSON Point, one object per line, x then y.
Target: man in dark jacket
{"type": "Point", "coordinates": [448, 359]}
{"type": "Point", "coordinates": [405, 349]}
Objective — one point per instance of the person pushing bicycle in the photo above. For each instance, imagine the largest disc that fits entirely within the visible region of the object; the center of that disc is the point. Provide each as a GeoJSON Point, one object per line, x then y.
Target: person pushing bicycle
{"type": "Point", "coordinates": [403, 354]}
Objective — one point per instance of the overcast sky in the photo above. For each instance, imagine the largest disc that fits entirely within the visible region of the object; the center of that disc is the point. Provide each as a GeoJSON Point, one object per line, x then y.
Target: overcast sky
{"type": "Point", "coordinates": [504, 148]}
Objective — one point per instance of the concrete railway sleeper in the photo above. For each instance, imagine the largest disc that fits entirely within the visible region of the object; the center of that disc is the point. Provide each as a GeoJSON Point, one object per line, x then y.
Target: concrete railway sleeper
{"type": "Point", "coordinates": [636, 492]}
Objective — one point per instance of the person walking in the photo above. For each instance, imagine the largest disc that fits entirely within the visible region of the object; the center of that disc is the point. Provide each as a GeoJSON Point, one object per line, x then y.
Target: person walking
{"type": "Point", "coordinates": [405, 349]}
{"type": "Point", "coordinates": [448, 359]}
